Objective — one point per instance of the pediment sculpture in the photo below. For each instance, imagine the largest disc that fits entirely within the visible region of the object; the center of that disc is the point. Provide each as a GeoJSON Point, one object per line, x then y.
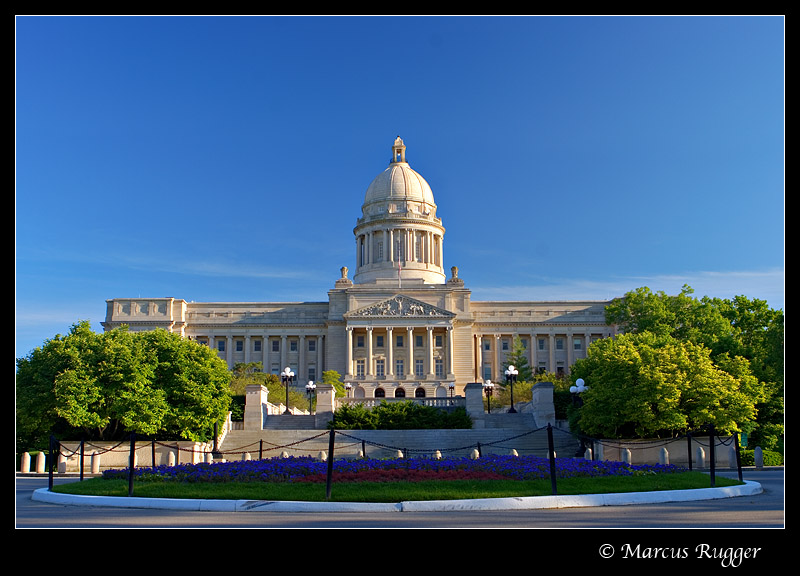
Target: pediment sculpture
{"type": "Point", "coordinates": [400, 306]}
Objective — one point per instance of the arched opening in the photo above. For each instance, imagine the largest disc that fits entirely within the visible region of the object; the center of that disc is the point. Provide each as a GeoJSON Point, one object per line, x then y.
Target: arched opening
{"type": "Point", "coordinates": [380, 393]}
{"type": "Point", "coordinates": [419, 393]}
{"type": "Point", "coordinates": [399, 393]}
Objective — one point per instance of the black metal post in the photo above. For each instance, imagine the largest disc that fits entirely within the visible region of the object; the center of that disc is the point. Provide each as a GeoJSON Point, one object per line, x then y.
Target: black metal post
{"type": "Point", "coordinates": [153, 451]}
{"type": "Point", "coordinates": [552, 453]}
{"type": "Point", "coordinates": [131, 458]}
{"type": "Point", "coordinates": [738, 455]}
{"type": "Point", "coordinates": [329, 480]}
{"type": "Point", "coordinates": [82, 455]}
{"type": "Point", "coordinates": [51, 455]}
{"type": "Point", "coordinates": [479, 451]}
{"type": "Point", "coordinates": [712, 455]}
{"type": "Point", "coordinates": [261, 449]}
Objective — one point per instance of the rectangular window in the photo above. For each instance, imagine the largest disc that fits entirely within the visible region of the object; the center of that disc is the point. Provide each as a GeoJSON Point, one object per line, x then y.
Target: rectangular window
{"type": "Point", "coordinates": [239, 345]}
{"type": "Point", "coordinates": [541, 343]}
{"type": "Point", "coordinates": [399, 341]}
{"type": "Point", "coordinates": [276, 345]}
{"type": "Point", "coordinates": [256, 345]}
{"type": "Point", "coordinates": [438, 340]}
{"type": "Point", "coordinates": [221, 345]}
{"type": "Point", "coordinates": [419, 341]}
{"type": "Point", "coordinates": [399, 368]}
{"type": "Point", "coordinates": [577, 344]}
{"type": "Point", "coordinates": [360, 368]}
{"type": "Point", "coordinates": [312, 345]}
{"type": "Point", "coordinates": [559, 343]}
{"type": "Point", "coordinates": [439, 368]}
{"type": "Point", "coordinates": [505, 343]}
{"type": "Point", "coordinates": [293, 345]}
{"type": "Point", "coordinates": [312, 373]}
{"type": "Point", "coordinates": [419, 367]}
{"type": "Point", "coordinates": [359, 341]}
{"type": "Point", "coordinates": [379, 368]}
{"type": "Point", "coordinates": [379, 341]}
{"type": "Point", "coordinates": [487, 344]}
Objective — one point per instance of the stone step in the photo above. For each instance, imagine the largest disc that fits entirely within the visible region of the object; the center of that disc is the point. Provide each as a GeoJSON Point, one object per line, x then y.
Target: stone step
{"type": "Point", "coordinates": [382, 444]}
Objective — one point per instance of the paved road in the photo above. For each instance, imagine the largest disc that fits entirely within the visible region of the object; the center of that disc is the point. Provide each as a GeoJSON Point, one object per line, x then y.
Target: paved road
{"type": "Point", "coordinates": [764, 510]}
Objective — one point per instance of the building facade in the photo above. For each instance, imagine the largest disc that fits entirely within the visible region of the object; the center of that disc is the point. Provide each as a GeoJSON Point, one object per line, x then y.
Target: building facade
{"type": "Point", "coordinates": [400, 327]}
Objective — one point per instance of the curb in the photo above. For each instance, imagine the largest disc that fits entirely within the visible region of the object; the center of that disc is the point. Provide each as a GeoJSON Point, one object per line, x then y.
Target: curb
{"type": "Point", "coordinates": [749, 488]}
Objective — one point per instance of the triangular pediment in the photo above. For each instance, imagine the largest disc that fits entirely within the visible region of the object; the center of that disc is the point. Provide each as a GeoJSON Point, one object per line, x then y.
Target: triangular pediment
{"type": "Point", "coordinates": [399, 307]}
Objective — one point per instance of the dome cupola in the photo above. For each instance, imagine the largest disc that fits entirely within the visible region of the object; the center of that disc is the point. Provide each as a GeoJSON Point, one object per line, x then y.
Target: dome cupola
{"type": "Point", "coordinates": [398, 236]}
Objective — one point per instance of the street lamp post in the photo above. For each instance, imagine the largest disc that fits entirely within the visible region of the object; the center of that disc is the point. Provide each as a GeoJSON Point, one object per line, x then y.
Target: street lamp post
{"type": "Point", "coordinates": [286, 377]}
{"type": "Point", "coordinates": [310, 388]}
{"type": "Point", "coordinates": [488, 387]}
{"type": "Point", "coordinates": [347, 388]}
{"type": "Point", "coordinates": [511, 378]}
{"type": "Point", "coordinates": [577, 401]}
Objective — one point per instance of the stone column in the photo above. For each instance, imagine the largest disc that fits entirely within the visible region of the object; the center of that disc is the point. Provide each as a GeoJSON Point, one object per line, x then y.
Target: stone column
{"type": "Point", "coordinates": [302, 371]}
{"type": "Point", "coordinates": [495, 357]}
{"type": "Point", "coordinates": [320, 367]}
{"type": "Point", "coordinates": [551, 341]}
{"type": "Point", "coordinates": [349, 365]}
{"type": "Point", "coordinates": [411, 370]}
{"type": "Point", "coordinates": [370, 370]}
{"type": "Point", "coordinates": [450, 348]}
{"type": "Point", "coordinates": [430, 351]}
{"type": "Point", "coordinates": [478, 359]}
{"type": "Point", "coordinates": [389, 352]}
{"type": "Point", "coordinates": [247, 345]}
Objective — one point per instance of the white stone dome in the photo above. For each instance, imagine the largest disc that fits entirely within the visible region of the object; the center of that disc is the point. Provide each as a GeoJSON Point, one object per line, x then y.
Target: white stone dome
{"type": "Point", "coordinates": [399, 182]}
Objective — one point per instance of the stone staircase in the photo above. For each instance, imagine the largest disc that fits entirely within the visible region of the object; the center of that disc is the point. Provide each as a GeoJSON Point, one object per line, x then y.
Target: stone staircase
{"type": "Point", "coordinates": [499, 434]}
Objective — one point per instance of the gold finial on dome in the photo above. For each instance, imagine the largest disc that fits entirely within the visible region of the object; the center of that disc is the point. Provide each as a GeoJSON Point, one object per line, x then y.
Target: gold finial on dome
{"type": "Point", "coordinates": [398, 151]}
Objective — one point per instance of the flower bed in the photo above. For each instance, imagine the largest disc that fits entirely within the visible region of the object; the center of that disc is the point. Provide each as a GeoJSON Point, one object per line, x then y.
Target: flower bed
{"type": "Point", "coordinates": [306, 469]}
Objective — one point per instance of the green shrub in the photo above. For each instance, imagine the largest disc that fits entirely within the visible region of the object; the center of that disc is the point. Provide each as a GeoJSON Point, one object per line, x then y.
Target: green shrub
{"type": "Point", "coordinates": [770, 458]}
{"type": "Point", "coordinates": [407, 415]}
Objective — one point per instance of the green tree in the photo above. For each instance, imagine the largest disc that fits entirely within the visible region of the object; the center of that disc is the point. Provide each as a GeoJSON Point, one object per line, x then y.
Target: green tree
{"type": "Point", "coordinates": [740, 328]}
{"type": "Point", "coordinates": [333, 378]}
{"type": "Point", "coordinates": [644, 385]}
{"type": "Point", "coordinates": [518, 358]}
{"type": "Point", "coordinates": [103, 385]}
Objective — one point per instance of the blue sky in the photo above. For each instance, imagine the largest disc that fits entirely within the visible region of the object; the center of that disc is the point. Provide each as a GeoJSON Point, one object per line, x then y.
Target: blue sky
{"type": "Point", "coordinates": [226, 158]}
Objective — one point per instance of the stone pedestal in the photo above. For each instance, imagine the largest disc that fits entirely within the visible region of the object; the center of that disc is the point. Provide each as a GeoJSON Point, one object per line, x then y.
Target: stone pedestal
{"type": "Point", "coordinates": [326, 402]}
{"type": "Point", "coordinates": [255, 400]}
{"type": "Point", "coordinates": [544, 410]}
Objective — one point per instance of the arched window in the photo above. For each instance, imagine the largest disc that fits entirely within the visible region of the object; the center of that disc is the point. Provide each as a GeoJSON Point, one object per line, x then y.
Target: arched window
{"type": "Point", "coordinates": [419, 393]}
{"type": "Point", "coordinates": [380, 393]}
{"type": "Point", "coordinates": [399, 393]}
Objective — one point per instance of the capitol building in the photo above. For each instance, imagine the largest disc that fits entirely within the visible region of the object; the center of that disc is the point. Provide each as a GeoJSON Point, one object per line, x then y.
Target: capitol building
{"type": "Point", "coordinates": [398, 324]}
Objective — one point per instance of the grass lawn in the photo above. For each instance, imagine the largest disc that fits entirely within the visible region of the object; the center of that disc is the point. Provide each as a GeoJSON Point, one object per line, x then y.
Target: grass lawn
{"type": "Point", "coordinates": [392, 492]}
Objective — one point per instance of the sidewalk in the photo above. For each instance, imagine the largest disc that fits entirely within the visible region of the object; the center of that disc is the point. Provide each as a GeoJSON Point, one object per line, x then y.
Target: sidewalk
{"type": "Point", "coordinates": [521, 503]}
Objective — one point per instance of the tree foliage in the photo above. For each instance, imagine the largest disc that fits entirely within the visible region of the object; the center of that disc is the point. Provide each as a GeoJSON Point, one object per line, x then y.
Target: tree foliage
{"type": "Point", "coordinates": [685, 362]}
{"type": "Point", "coordinates": [104, 385]}
{"type": "Point", "coordinates": [643, 385]}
